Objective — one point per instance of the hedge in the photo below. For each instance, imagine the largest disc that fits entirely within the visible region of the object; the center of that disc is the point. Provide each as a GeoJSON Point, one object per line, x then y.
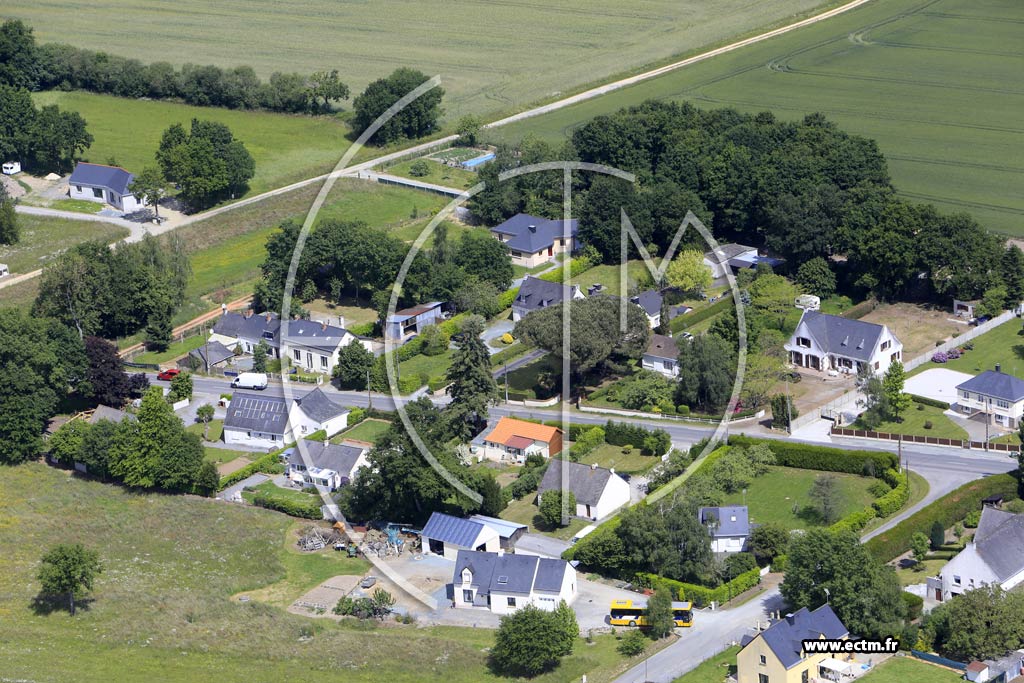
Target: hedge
{"type": "Point", "coordinates": [701, 596]}
{"type": "Point", "coordinates": [823, 458]}
{"type": "Point", "coordinates": [893, 501]}
{"type": "Point", "coordinates": [506, 298]}
{"type": "Point", "coordinates": [269, 463]}
{"type": "Point", "coordinates": [437, 383]}
{"type": "Point", "coordinates": [948, 510]}
{"type": "Point", "coordinates": [860, 310]}
{"type": "Point", "coordinates": [855, 521]}
{"type": "Point", "coordinates": [363, 329]}
{"type": "Point", "coordinates": [511, 352]}
{"type": "Point", "coordinates": [924, 400]}
{"type": "Point", "coordinates": [625, 434]}
{"type": "Point", "coordinates": [683, 321]}
{"type": "Point", "coordinates": [288, 506]}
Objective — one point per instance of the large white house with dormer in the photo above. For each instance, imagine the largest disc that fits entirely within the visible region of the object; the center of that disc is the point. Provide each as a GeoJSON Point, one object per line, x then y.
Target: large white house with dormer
{"type": "Point", "coordinates": [829, 342]}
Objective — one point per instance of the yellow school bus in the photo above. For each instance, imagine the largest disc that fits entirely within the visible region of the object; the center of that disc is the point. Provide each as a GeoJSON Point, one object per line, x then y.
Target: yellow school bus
{"type": "Point", "coordinates": [626, 613]}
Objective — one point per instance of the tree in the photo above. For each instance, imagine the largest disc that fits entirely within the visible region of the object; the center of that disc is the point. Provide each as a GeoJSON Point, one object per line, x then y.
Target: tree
{"type": "Point", "coordinates": [783, 410]}
{"type": "Point", "coordinates": [760, 376]}
{"type": "Point", "coordinates": [688, 272]}
{"type": "Point", "coordinates": [919, 545]}
{"type": "Point", "coordinates": [982, 624]}
{"type": "Point", "coordinates": [768, 541]}
{"type": "Point", "coordinates": [660, 620]}
{"type": "Point", "coordinates": [383, 602]}
{"type": "Point", "coordinates": [59, 137]}
{"type": "Point", "coordinates": [416, 119]}
{"type": "Point", "coordinates": [482, 256]}
{"type": "Point", "coordinates": [557, 508]}
{"type": "Point", "coordinates": [108, 383]}
{"type": "Point", "coordinates": [69, 570]}
{"type": "Point", "coordinates": [528, 642]}
{"type": "Point", "coordinates": [864, 593]}
{"type": "Point", "coordinates": [93, 451]}
{"type": "Point", "coordinates": [632, 644]}
{"type": "Point", "coordinates": [159, 307]}
{"type": "Point", "coordinates": [937, 535]}
{"type": "Point", "coordinates": [419, 168]}
{"type": "Point", "coordinates": [824, 495]}
{"type": "Point", "coordinates": [9, 230]}
{"type": "Point", "coordinates": [355, 362]}
{"type": "Point", "coordinates": [181, 387]}
{"type": "Point", "coordinates": [208, 163]}
{"type": "Point", "coordinates": [706, 372]}
{"type": "Point", "coordinates": [17, 122]}
{"type": "Point", "coordinates": [66, 442]}
{"type": "Point", "coordinates": [150, 186]}
{"type": "Point", "coordinates": [470, 382]}
{"type": "Point", "coordinates": [326, 87]}
{"type": "Point", "coordinates": [993, 301]}
{"type": "Point", "coordinates": [468, 128]}
{"type": "Point", "coordinates": [667, 539]}
{"type": "Point", "coordinates": [738, 563]}
{"type": "Point", "coordinates": [18, 55]}
{"type": "Point", "coordinates": [892, 385]}
{"type": "Point", "coordinates": [204, 414]}
{"type": "Point", "coordinates": [1011, 268]}
{"type": "Point", "coordinates": [875, 401]}
{"type": "Point", "coordinates": [259, 357]}
{"type": "Point", "coordinates": [816, 277]}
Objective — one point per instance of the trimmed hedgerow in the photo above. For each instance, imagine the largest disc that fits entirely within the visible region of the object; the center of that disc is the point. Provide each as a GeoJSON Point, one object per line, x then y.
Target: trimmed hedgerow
{"type": "Point", "coordinates": [933, 402]}
{"type": "Point", "coordinates": [701, 596]}
{"type": "Point", "coordinates": [823, 458]}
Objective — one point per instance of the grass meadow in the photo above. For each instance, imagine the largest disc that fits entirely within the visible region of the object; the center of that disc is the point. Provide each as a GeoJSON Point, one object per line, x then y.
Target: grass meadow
{"type": "Point", "coordinates": [477, 48]}
{"type": "Point", "coordinates": [910, 670]}
{"type": "Point", "coordinates": [165, 607]}
{"type": "Point", "coordinates": [933, 81]}
{"type": "Point", "coordinates": [43, 237]}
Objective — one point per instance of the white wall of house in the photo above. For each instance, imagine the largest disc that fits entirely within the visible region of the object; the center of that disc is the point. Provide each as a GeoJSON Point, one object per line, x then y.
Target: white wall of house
{"type": "Point", "coordinates": [498, 452]}
{"type": "Point", "coordinates": [965, 572]}
{"type": "Point", "coordinates": [303, 425]}
{"type": "Point", "coordinates": [127, 203]}
{"type": "Point", "coordinates": [728, 544]}
{"type": "Point", "coordinates": [614, 496]}
{"type": "Point", "coordinates": [1000, 412]}
{"type": "Point", "coordinates": [316, 359]}
{"type": "Point", "coordinates": [487, 540]}
{"type": "Point", "coordinates": [805, 351]}
{"type": "Point", "coordinates": [664, 366]}
{"type": "Point", "coordinates": [253, 439]}
{"type": "Point", "coordinates": [507, 603]}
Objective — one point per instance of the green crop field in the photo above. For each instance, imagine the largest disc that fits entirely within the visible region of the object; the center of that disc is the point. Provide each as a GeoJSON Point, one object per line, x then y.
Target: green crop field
{"type": "Point", "coordinates": [165, 607]}
{"type": "Point", "coordinates": [491, 56]}
{"type": "Point", "coordinates": [935, 82]}
{"type": "Point", "coordinates": [286, 148]}
{"type": "Point", "coordinates": [43, 237]}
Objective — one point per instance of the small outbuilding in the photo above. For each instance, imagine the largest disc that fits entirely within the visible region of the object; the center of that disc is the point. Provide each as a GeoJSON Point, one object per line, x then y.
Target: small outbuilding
{"type": "Point", "coordinates": [508, 532]}
{"type": "Point", "coordinates": [11, 167]}
{"type": "Point", "coordinates": [4, 270]}
{"type": "Point", "coordinates": [445, 535]}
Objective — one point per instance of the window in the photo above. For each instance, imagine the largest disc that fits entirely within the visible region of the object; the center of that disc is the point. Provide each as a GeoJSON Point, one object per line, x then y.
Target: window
{"type": "Point", "coordinates": [97, 193]}
{"type": "Point", "coordinates": [876, 365]}
{"type": "Point", "coordinates": [511, 602]}
{"type": "Point", "coordinates": [323, 361]}
{"type": "Point", "coordinates": [78, 188]}
{"type": "Point", "coordinates": [804, 342]}
{"type": "Point", "coordinates": [805, 676]}
{"type": "Point", "coordinates": [965, 394]}
{"type": "Point", "coordinates": [668, 364]}
{"type": "Point", "coordinates": [762, 678]}
{"type": "Point", "coordinates": [298, 355]}
{"type": "Point", "coordinates": [467, 596]}
{"type": "Point", "coordinates": [1002, 404]}
{"type": "Point", "coordinates": [764, 660]}
{"type": "Point", "coordinates": [956, 579]}
{"type": "Point", "coordinates": [886, 344]}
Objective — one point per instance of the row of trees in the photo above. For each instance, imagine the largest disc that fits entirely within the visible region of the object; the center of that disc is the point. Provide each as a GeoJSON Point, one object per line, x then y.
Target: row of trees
{"type": "Point", "coordinates": [116, 292]}
{"type": "Point", "coordinates": [46, 139]}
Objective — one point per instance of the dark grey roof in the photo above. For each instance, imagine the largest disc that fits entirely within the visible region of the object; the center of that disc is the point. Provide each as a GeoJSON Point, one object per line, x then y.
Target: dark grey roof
{"type": "Point", "coordinates": [535, 293]}
{"type": "Point", "coordinates": [340, 458]}
{"type": "Point", "coordinates": [264, 326]}
{"type": "Point", "coordinates": [257, 412]}
{"type": "Point", "coordinates": [108, 413]}
{"type": "Point", "coordinates": [725, 252]}
{"type": "Point", "coordinates": [520, 574]}
{"type": "Point", "coordinates": [722, 517]}
{"type": "Point", "coordinates": [532, 234]}
{"type": "Point", "coordinates": [313, 334]}
{"type": "Point", "coordinates": [661, 346]}
{"type": "Point", "coordinates": [650, 301]}
{"type": "Point", "coordinates": [550, 573]}
{"type": "Point", "coordinates": [454, 530]}
{"type": "Point", "coordinates": [218, 353]}
{"type": "Point", "coordinates": [587, 483]}
{"type": "Point", "coordinates": [784, 636]}
{"type": "Point", "coordinates": [318, 406]}
{"type": "Point", "coordinates": [995, 384]}
{"type": "Point", "coordinates": [851, 338]}
{"type": "Point", "coordinates": [1000, 541]}
{"type": "Point", "coordinates": [97, 175]}
{"type": "Point", "coordinates": [505, 528]}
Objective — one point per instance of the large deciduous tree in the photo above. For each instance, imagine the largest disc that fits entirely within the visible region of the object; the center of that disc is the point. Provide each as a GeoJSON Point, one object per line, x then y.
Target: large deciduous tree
{"type": "Point", "coordinates": [69, 570]}
{"type": "Point", "coordinates": [208, 163]}
{"type": "Point", "coordinates": [666, 538]}
{"type": "Point", "coordinates": [414, 120]}
{"type": "Point", "coordinates": [688, 272]}
{"type": "Point", "coordinates": [355, 362]}
{"type": "Point", "coordinates": [151, 187]}
{"type": "Point", "coordinates": [532, 641]}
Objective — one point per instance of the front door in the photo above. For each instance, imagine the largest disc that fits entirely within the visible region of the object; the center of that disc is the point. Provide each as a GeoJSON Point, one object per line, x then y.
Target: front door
{"type": "Point", "coordinates": [588, 511]}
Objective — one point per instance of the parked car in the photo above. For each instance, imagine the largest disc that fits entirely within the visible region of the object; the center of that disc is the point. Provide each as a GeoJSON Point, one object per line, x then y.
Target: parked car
{"type": "Point", "coordinates": [168, 375]}
{"type": "Point", "coordinates": [368, 582]}
{"type": "Point", "coordinates": [687, 336]}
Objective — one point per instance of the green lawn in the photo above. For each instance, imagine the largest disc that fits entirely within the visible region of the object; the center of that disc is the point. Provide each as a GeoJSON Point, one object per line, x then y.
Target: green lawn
{"type": "Point", "coordinates": [609, 276]}
{"type": "Point", "coordinates": [21, 295]}
{"type": "Point", "coordinates": [522, 382]}
{"type": "Point", "coordinates": [77, 205]}
{"type": "Point", "coordinates": [274, 491]}
{"type": "Point", "coordinates": [214, 430]}
{"type": "Point", "coordinates": [611, 456]}
{"type": "Point", "coordinates": [178, 348]}
{"type": "Point", "coordinates": [713, 669]}
{"type": "Point", "coordinates": [914, 420]}
{"type": "Point", "coordinates": [910, 670]}
{"type": "Point", "coordinates": [523, 511]}
{"type": "Point", "coordinates": [927, 80]}
{"type": "Point", "coordinates": [440, 174]}
{"type": "Point", "coordinates": [781, 497]}
{"type": "Point", "coordinates": [1004, 345]}
{"type": "Point", "coordinates": [429, 366]}
{"type": "Point", "coordinates": [911, 575]}
{"type": "Point", "coordinates": [43, 237]}
{"type": "Point", "coordinates": [369, 430]}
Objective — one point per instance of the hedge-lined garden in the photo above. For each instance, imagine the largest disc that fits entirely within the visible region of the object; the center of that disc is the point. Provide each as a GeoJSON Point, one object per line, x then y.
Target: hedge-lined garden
{"type": "Point", "coordinates": [824, 458]}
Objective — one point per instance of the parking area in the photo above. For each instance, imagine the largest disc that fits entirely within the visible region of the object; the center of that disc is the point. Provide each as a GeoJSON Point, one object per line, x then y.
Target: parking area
{"type": "Point", "coordinates": [938, 383]}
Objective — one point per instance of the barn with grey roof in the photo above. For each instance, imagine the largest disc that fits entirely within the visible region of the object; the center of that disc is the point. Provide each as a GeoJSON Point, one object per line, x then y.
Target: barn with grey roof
{"type": "Point", "coordinates": [446, 535]}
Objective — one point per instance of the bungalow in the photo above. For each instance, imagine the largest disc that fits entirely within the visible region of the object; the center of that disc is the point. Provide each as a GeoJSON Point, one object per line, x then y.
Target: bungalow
{"type": "Point", "coordinates": [732, 257]}
{"type": "Point", "coordinates": [331, 465]}
{"type": "Point", "coordinates": [504, 583]}
{"type": "Point", "coordinates": [533, 241]}
{"type": "Point", "coordinates": [650, 301]}
{"type": "Point", "coordinates": [662, 356]}
{"type": "Point", "coordinates": [514, 440]}
{"type": "Point", "coordinates": [535, 294]}
{"type": "Point", "coordinates": [246, 331]}
{"type": "Point", "coordinates": [447, 536]}
{"type": "Point", "coordinates": [262, 421]}
{"type": "Point", "coordinates": [828, 342]}
{"type": "Point", "coordinates": [776, 655]}
{"type": "Point", "coordinates": [409, 322]}
{"type": "Point", "coordinates": [994, 394]}
{"type": "Point", "coordinates": [105, 185]}
{"type": "Point", "coordinates": [994, 556]}
{"type": "Point", "coordinates": [599, 492]}
{"type": "Point", "coordinates": [211, 354]}
{"type": "Point", "coordinates": [729, 527]}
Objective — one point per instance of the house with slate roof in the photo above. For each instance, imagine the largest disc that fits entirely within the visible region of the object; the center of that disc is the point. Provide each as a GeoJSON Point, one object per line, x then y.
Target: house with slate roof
{"type": "Point", "coordinates": [104, 185]}
{"type": "Point", "coordinates": [995, 395]}
{"type": "Point", "coordinates": [662, 356]}
{"type": "Point", "coordinates": [776, 655]}
{"type": "Point", "coordinates": [650, 301]}
{"type": "Point", "coordinates": [504, 583]}
{"type": "Point", "coordinates": [829, 342]}
{"type": "Point", "coordinates": [247, 331]}
{"type": "Point", "coordinates": [533, 241]}
{"type": "Point", "coordinates": [261, 421]}
{"type": "Point", "coordinates": [599, 492]}
{"type": "Point", "coordinates": [729, 527]}
{"type": "Point", "coordinates": [209, 355]}
{"type": "Point", "coordinates": [513, 441]}
{"type": "Point", "coordinates": [409, 322]}
{"type": "Point", "coordinates": [447, 536]}
{"type": "Point", "coordinates": [995, 556]}
{"type": "Point", "coordinates": [330, 465]}
{"type": "Point", "coordinates": [535, 294]}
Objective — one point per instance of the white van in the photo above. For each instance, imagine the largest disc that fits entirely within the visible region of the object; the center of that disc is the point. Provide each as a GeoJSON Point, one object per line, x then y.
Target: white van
{"type": "Point", "coordinates": [250, 380]}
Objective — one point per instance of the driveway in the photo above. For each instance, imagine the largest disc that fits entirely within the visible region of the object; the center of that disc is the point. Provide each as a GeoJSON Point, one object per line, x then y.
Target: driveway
{"type": "Point", "coordinates": [230, 492]}
{"type": "Point", "coordinates": [937, 383]}
{"type": "Point", "coordinates": [539, 544]}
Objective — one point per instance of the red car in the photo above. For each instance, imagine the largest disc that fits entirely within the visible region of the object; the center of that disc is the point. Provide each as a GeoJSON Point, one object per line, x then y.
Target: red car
{"type": "Point", "coordinates": [168, 375]}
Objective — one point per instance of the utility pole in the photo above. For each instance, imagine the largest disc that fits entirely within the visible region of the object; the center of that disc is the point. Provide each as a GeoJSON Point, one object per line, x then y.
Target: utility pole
{"type": "Point", "coordinates": [506, 381]}
{"type": "Point", "coordinates": [369, 395]}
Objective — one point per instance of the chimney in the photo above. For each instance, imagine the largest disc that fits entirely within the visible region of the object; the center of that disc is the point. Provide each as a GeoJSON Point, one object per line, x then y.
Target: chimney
{"type": "Point", "coordinates": [341, 321]}
{"type": "Point", "coordinates": [248, 313]}
{"type": "Point", "coordinates": [790, 619]}
{"type": "Point", "coordinates": [323, 325]}
{"type": "Point", "coordinates": [268, 316]}
{"type": "Point", "coordinates": [533, 228]}
{"type": "Point", "coordinates": [612, 470]}
{"type": "Point", "coordinates": [999, 367]}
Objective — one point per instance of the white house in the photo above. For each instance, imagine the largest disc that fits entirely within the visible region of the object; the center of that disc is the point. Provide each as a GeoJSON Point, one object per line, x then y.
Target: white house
{"type": "Point", "coordinates": [512, 441]}
{"type": "Point", "coordinates": [329, 465]}
{"type": "Point", "coordinates": [535, 294]}
{"type": "Point", "coordinates": [533, 241]}
{"type": "Point", "coordinates": [504, 583]}
{"type": "Point", "coordinates": [104, 185]}
{"type": "Point", "coordinates": [650, 300]}
{"type": "Point", "coordinates": [829, 342]}
{"type": "Point", "coordinates": [446, 536]}
{"type": "Point", "coordinates": [729, 527]}
{"type": "Point", "coordinates": [261, 421]}
{"type": "Point", "coordinates": [662, 356]}
{"type": "Point", "coordinates": [733, 257]}
{"type": "Point", "coordinates": [994, 556]}
{"type": "Point", "coordinates": [599, 492]}
{"type": "Point", "coordinates": [994, 394]}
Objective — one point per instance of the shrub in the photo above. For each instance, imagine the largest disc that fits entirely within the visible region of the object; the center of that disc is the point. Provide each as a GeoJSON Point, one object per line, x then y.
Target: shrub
{"type": "Point", "coordinates": [925, 401]}
{"type": "Point", "coordinates": [355, 416]}
{"type": "Point", "coordinates": [288, 506]}
{"type": "Point", "coordinates": [683, 410]}
{"type": "Point", "coordinates": [920, 407]}
{"type": "Point", "coordinates": [953, 354]}
{"type": "Point", "coordinates": [823, 458]}
{"type": "Point", "coordinates": [623, 434]}
{"type": "Point", "coordinates": [972, 519]}
{"type": "Point", "coordinates": [855, 521]}
{"type": "Point", "coordinates": [632, 644]}
{"type": "Point", "coordinates": [914, 603]}
{"type": "Point", "coordinates": [860, 310]}
{"type": "Point", "coordinates": [779, 564]}
{"type": "Point", "coordinates": [269, 463]}
{"type": "Point", "coordinates": [627, 449]}
{"type": "Point", "coordinates": [928, 424]}
{"type": "Point", "coordinates": [419, 168]}
{"type": "Point", "coordinates": [507, 338]}
{"type": "Point", "coordinates": [939, 357]}
{"type": "Point", "coordinates": [702, 596]}
{"type": "Point", "coordinates": [879, 489]}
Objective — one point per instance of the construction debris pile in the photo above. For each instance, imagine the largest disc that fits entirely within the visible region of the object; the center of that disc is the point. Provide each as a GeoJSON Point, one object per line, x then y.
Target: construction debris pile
{"type": "Point", "coordinates": [314, 538]}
